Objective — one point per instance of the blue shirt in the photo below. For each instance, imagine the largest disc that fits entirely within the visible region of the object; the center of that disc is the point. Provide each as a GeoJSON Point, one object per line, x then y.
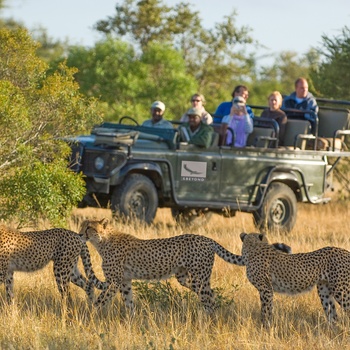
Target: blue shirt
{"type": "Point", "coordinates": [308, 103]}
{"type": "Point", "coordinates": [224, 108]}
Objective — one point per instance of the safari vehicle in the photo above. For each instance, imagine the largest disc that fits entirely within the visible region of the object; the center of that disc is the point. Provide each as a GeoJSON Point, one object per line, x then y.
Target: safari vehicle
{"type": "Point", "coordinates": [134, 170]}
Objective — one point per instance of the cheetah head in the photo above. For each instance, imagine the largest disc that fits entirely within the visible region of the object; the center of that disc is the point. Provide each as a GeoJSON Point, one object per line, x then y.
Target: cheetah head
{"type": "Point", "coordinates": [252, 238]}
{"type": "Point", "coordinates": [91, 230]}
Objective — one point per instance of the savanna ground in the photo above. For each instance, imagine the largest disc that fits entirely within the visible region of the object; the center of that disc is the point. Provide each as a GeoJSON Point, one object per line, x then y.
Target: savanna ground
{"type": "Point", "coordinates": [167, 315]}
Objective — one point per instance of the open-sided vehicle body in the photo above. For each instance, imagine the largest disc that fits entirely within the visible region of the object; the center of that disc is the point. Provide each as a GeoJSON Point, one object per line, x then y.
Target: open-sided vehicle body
{"type": "Point", "coordinates": [135, 170]}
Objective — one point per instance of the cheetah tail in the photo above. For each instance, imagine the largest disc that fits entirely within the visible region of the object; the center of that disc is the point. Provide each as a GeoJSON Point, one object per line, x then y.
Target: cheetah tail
{"type": "Point", "coordinates": [227, 255]}
{"type": "Point", "coordinates": [284, 248]}
{"type": "Point", "coordinates": [85, 257]}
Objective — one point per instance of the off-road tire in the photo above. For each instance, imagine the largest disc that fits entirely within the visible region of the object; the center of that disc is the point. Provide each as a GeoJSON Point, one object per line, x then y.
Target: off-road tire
{"type": "Point", "coordinates": [279, 209]}
{"type": "Point", "coordinates": [136, 198]}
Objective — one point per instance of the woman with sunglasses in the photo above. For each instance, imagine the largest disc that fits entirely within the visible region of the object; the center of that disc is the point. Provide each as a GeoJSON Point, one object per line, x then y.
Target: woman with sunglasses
{"type": "Point", "coordinates": [198, 101]}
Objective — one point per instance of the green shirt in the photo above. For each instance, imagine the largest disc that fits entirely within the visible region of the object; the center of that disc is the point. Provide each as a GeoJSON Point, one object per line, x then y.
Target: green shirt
{"type": "Point", "coordinates": [202, 136]}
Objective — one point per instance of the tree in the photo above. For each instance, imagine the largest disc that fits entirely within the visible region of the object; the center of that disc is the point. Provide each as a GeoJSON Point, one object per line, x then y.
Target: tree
{"type": "Point", "coordinates": [126, 83]}
{"type": "Point", "coordinates": [141, 22]}
{"type": "Point", "coordinates": [37, 110]}
{"type": "Point", "coordinates": [332, 76]}
{"type": "Point", "coordinates": [215, 58]}
{"type": "Point", "coordinates": [49, 49]}
{"type": "Point", "coordinates": [281, 75]}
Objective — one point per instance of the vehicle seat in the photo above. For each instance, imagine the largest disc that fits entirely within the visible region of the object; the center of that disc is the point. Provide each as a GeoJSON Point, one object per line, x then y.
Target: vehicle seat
{"type": "Point", "coordinates": [261, 137]}
{"type": "Point", "coordinates": [333, 126]}
{"type": "Point", "coordinates": [297, 133]}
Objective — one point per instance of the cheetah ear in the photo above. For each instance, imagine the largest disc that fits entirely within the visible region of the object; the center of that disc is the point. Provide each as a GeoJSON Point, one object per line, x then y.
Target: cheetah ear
{"type": "Point", "coordinates": [242, 235]}
{"type": "Point", "coordinates": [261, 236]}
{"type": "Point", "coordinates": [104, 222]}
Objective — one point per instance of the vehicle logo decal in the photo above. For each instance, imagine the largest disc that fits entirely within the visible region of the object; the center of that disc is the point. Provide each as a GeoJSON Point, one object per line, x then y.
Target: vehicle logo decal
{"type": "Point", "coordinates": [193, 171]}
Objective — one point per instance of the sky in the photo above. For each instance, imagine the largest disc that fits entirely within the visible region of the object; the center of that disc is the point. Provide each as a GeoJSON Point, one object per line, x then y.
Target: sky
{"type": "Point", "coordinates": [278, 25]}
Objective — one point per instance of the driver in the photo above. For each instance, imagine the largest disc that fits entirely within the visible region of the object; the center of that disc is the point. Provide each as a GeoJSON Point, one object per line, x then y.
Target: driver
{"type": "Point", "coordinates": [157, 121]}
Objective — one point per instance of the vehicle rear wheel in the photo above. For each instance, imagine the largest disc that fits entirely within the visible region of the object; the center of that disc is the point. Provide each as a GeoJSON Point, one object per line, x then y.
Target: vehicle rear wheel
{"type": "Point", "coordinates": [279, 209]}
{"type": "Point", "coordinates": [135, 198]}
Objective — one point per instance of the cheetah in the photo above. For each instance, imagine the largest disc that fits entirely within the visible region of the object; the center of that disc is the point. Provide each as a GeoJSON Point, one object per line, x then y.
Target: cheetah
{"type": "Point", "coordinates": [31, 251]}
{"type": "Point", "coordinates": [271, 271]}
{"type": "Point", "coordinates": [124, 257]}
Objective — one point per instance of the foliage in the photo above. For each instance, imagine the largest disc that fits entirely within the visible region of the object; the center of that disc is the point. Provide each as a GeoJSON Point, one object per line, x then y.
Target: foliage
{"type": "Point", "coordinates": [37, 108]}
{"type": "Point", "coordinates": [342, 177]}
{"type": "Point", "coordinates": [288, 66]}
{"type": "Point", "coordinates": [166, 296]}
{"type": "Point", "coordinates": [127, 83]}
{"type": "Point", "coordinates": [40, 191]}
{"type": "Point", "coordinates": [142, 22]}
{"type": "Point", "coordinates": [332, 75]}
{"type": "Point", "coordinates": [215, 58]}
{"type": "Point", "coordinates": [49, 49]}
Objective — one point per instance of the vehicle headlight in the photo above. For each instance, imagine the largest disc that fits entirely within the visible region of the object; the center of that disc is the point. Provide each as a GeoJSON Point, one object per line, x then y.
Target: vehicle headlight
{"type": "Point", "coordinates": [99, 163]}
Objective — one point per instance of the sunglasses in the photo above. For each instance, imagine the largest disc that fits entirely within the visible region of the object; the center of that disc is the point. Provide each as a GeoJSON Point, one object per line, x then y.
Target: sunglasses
{"type": "Point", "coordinates": [196, 100]}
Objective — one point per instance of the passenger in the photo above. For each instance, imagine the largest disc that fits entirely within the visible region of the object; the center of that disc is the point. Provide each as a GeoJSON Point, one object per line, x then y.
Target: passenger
{"type": "Point", "coordinates": [195, 131]}
{"type": "Point", "coordinates": [302, 99]}
{"type": "Point", "coordinates": [274, 112]}
{"type": "Point", "coordinates": [224, 108]}
{"type": "Point", "coordinates": [157, 121]}
{"type": "Point", "coordinates": [198, 101]}
{"type": "Point", "coordinates": [239, 121]}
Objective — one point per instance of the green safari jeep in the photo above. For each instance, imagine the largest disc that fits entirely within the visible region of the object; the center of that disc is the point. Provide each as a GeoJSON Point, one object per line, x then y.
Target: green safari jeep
{"type": "Point", "coordinates": [134, 170]}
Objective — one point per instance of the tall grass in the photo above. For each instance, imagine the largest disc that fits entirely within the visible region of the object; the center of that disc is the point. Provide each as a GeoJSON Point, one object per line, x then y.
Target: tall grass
{"type": "Point", "coordinates": [167, 315]}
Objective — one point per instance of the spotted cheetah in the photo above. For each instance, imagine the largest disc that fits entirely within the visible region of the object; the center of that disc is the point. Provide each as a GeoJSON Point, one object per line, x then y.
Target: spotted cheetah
{"type": "Point", "coordinates": [31, 251]}
{"type": "Point", "coordinates": [125, 257]}
{"type": "Point", "coordinates": [272, 271]}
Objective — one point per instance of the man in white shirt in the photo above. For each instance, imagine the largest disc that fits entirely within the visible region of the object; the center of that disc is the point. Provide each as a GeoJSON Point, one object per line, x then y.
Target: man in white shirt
{"type": "Point", "coordinates": [157, 121]}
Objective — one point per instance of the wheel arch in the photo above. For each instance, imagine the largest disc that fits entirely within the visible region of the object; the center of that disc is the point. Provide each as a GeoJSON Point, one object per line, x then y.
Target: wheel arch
{"type": "Point", "coordinates": [152, 170]}
{"type": "Point", "coordinates": [149, 169]}
{"type": "Point", "coordinates": [290, 179]}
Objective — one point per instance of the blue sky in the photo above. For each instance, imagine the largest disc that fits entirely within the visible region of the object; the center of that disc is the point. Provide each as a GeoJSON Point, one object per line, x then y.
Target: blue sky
{"type": "Point", "coordinates": [294, 26]}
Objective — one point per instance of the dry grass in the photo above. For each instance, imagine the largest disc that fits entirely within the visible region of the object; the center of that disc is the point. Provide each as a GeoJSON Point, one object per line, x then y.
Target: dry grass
{"type": "Point", "coordinates": [173, 318]}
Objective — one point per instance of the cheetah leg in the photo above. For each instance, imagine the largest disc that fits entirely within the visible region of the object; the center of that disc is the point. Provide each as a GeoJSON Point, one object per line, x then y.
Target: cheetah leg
{"type": "Point", "coordinates": [343, 299]}
{"type": "Point", "coordinates": [9, 287]}
{"type": "Point", "coordinates": [114, 280]}
{"type": "Point", "coordinates": [200, 284]}
{"type": "Point", "coordinates": [183, 277]}
{"type": "Point", "coordinates": [63, 279]}
{"type": "Point", "coordinates": [79, 280]}
{"type": "Point", "coordinates": [327, 300]}
{"type": "Point", "coordinates": [4, 271]}
{"type": "Point", "coordinates": [107, 294]}
{"type": "Point", "coordinates": [126, 291]}
{"type": "Point", "coordinates": [266, 299]}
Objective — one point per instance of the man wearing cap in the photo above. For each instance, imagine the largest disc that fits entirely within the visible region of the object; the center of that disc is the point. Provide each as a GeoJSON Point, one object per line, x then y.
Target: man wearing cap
{"type": "Point", "coordinates": [195, 131]}
{"type": "Point", "coordinates": [236, 126]}
{"type": "Point", "coordinates": [224, 108]}
{"type": "Point", "coordinates": [157, 121]}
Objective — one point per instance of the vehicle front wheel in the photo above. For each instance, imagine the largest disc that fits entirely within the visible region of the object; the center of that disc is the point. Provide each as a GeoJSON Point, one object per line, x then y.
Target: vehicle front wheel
{"type": "Point", "coordinates": [135, 198]}
{"type": "Point", "coordinates": [279, 209]}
